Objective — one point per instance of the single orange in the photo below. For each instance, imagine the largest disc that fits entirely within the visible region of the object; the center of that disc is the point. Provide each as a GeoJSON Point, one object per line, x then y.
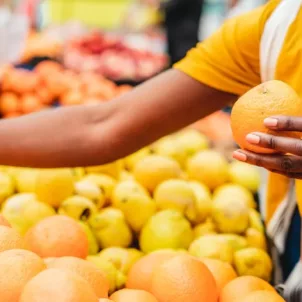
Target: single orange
{"type": "Point", "coordinates": [132, 295]}
{"type": "Point", "coordinates": [268, 99]}
{"type": "Point", "coordinates": [24, 81]}
{"type": "Point", "coordinates": [48, 68]}
{"type": "Point", "coordinates": [222, 272]}
{"type": "Point", "coordinates": [57, 236]}
{"type": "Point", "coordinates": [140, 274]}
{"type": "Point", "coordinates": [4, 222]}
{"type": "Point", "coordinates": [9, 103]}
{"type": "Point", "coordinates": [10, 239]}
{"type": "Point", "coordinates": [263, 296]}
{"type": "Point", "coordinates": [183, 278]}
{"type": "Point", "coordinates": [88, 271]}
{"type": "Point", "coordinates": [17, 268]}
{"type": "Point", "coordinates": [58, 285]}
{"type": "Point", "coordinates": [30, 103]}
{"type": "Point", "coordinates": [241, 287]}
{"type": "Point", "coordinates": [73, 97]}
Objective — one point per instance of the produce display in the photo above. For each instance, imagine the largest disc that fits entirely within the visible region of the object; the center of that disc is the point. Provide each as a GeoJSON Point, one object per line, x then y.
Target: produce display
{"type": "Point", "coordinates": [24, 91]}
{"type": "Point", "coordinates": [174, 221]}
{"type": "Point", "coordinates": [111, 57]}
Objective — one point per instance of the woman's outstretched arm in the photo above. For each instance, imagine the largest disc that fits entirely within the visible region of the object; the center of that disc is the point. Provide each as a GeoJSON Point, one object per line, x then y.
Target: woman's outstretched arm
{"type": "Point", "coordinates": [96, 134]}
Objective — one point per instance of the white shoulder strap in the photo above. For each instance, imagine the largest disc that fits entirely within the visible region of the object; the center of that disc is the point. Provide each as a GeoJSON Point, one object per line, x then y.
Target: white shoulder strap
{"type": "Point", "coordinates": [274, 34]}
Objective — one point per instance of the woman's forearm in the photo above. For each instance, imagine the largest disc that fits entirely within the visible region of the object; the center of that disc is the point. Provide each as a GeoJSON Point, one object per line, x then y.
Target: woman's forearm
{"type": "Point", "coordinates": [97, 134]}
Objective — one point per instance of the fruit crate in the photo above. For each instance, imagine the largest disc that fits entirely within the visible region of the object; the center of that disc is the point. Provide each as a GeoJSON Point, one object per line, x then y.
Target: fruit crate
{"type": "Point", "coordinates": [98, 13]}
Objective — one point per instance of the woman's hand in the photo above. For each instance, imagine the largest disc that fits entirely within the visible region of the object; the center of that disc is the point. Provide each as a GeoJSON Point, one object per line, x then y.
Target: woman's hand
{"type": "Point", "coordinates": [288, 165]}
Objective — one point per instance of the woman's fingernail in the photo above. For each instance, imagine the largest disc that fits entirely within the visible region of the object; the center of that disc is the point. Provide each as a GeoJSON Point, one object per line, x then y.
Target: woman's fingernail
{"type": "Point", "coordinates": [253, 139]}
{"type": "Point", "coordinates": [239, 156]}
{"type": "Point", "coordinates": [271, 122]}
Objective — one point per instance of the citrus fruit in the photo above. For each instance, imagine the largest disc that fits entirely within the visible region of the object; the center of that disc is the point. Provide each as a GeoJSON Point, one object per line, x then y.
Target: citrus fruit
{"type": "Point", "coordinates": [154, 169]}
{"type": "Point", "coordinates": [191, 141]}
{"type": "Point", "coordinates": [77, 207]}
{"type": "Point", "coordinates": [92, 242]}
{"type": "Point", "coordinates": [230, 216]}
{"type": "Point", "coordinates": [168, 146]}
{"type": "Point", "coordinates": [122, 258]}
{"type": "Point", "coordinates": [253, 262]}
{"type": "Point", "coordinates": [90, 190]}
{"type": "Point", "coordinates": [140, 275]}
{"type": "Point", "coordinates": [58, 285]}
{"type": "Point", "coordinates": [26, 180]}
{"type": "Point", "coordinates": [263, 296]}
{"type": "Point", "coordinates": [222, 272]}
{"type": "Point", "coordinates": [88, 271]}
{"type": "Point", "coordinates": [208, 167]}
{"type": "Point", "coordinates": [10, 239]}
{"type": "Point", "coordinates": [132, 159]}
{"type": "Point", "coordinates": [54, 186]}
{"type": "Point", "coordinates": [110, 228]}
{"type": "Point", "coordinates": [175, 194]}
{"type": "Point", "coordinates": [7, 186]}
{"type": "Point", "coordinates": [57, 236]}
{"type": "Point", "coordinates": [206, 228]}
{"type": "Point", "coordinates": [166, 229]}
{"type": "Point", "coordinates": [256, 239]}
{"type": "Point", "coordinates": [17, 268]}
{"type": "Point", "coordinates": [183, 278]}
{"type": "Point", "coordinates": [116, 278]}
{"type": "Point", "coordinates": [239, 288]}
{"type": "Point", "coordinates": [235, 191]}
{"type": "Point", "coordinates": [203, 202]}
{"type": "Point", "coordinates": [4, 222]}
{"type": "Point", "coordinates": [245, 175]}
{"type": "Point", "coordinates": [212, 246]}
{"type": "Point", "coordinates": [265, 100]}
{"type": "Point", "coordinates": [133, 295]}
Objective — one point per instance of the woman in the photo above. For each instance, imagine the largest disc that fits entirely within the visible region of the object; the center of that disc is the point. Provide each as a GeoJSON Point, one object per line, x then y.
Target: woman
{"type": "Point", "coordinates": [236, 58]}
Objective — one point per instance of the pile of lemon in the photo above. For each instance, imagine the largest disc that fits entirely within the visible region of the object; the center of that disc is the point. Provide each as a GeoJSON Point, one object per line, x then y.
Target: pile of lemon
{"type": "Point", "coordinates": [176, 194]}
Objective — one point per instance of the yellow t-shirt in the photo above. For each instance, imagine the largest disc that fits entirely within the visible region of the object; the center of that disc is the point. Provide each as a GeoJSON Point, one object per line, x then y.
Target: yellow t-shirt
{"type": "Point", "coordinates": [229, 59]}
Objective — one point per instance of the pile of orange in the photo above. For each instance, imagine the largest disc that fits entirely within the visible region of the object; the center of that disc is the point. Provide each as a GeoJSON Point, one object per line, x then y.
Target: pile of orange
{"type": "Point", "coordinates": [49, 264]}
{"type": "Point", "coordinates": [24, 91]}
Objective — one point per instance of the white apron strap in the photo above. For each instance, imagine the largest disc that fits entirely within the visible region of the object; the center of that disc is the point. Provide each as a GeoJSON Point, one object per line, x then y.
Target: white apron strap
{"type": "Point", "coordinates": [274, 34]}
{"type": "Point", "coordinates": [272, 40]}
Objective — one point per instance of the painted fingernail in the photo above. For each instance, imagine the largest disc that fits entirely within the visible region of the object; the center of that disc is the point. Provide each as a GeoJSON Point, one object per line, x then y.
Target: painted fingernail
{"type": "Point", "coordinates": [271, 122]}
{"type": "Point", "coordinates": [253, 139]}
{"type": "Point", "coordinates": [239, 156]}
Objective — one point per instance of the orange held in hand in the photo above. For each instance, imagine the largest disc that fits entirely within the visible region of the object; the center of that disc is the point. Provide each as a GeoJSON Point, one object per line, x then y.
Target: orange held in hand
{"type": "Point", "coordinates": [57, 236]}
{"type": "Point", "coordinates": [269, 99]}
{"type": "Point", "coordinates": [183, 278]}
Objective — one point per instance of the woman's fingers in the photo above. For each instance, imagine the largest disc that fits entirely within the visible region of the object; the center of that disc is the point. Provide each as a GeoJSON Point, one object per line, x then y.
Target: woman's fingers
{"type": "Point", "coordinates": [284, 123]}
{"type": "Point", "coordinates": [278, 143]}
{"type": "Point", "coordinates": [284, 164]}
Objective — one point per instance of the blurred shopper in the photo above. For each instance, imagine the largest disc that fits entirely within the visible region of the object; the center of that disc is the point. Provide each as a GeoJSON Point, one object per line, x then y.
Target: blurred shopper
{"type": "Point", "coordinates": [182, 24]}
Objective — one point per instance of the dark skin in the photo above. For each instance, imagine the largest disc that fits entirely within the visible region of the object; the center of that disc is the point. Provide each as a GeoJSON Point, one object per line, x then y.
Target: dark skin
{"type": "Point", "coordinates": [98, 134]}
{"type": "Point", "coordinates": [289, 160]}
